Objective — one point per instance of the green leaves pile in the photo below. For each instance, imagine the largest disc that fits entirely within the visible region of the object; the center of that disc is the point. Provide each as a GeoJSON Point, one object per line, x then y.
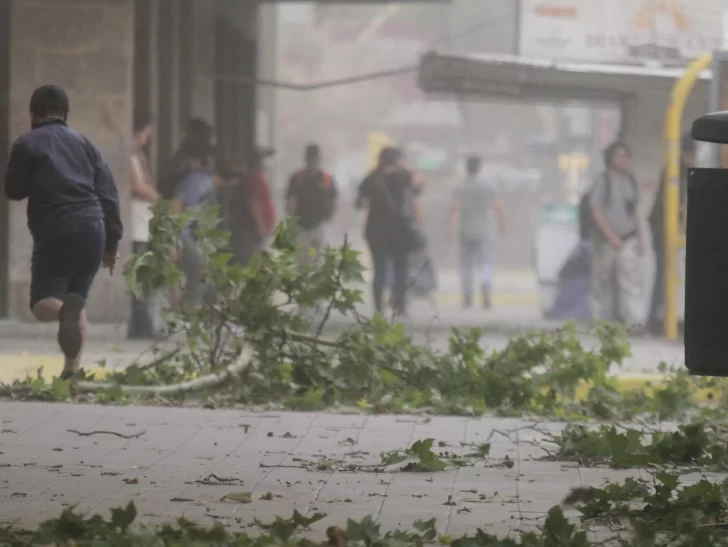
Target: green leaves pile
{"type": "Point", "coordinates": [71, 528]}
{"type": "Point", "coordinates": [261, 329]}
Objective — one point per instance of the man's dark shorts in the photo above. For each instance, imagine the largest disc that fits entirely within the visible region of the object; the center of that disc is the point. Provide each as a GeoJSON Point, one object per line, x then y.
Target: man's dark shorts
{"type": "Point", "coordinates": [67, 260]}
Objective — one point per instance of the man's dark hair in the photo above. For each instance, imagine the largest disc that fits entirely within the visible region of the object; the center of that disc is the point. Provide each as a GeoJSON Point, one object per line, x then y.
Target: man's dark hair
{"type": "Point", "coordinates": [49, 101]}
{"type": "Point", "coordinates": [612, 150]}
{"type": "Point", "coordinates": [389, 156]}
{"type": "Point", "coordinates": [473, 164]}
{"type": "Point", "coordinates": [142, 119]}
{"type": "Point", "coordinates": [313, 153]}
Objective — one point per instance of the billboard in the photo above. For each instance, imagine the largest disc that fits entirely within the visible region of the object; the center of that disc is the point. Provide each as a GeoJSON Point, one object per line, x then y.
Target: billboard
{"type": "Point", "coordinates": [620, 31]}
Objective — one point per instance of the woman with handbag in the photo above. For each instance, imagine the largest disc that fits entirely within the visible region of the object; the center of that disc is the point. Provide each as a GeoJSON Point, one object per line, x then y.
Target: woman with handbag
{"type": "Point", "coordinates": [391, 230]}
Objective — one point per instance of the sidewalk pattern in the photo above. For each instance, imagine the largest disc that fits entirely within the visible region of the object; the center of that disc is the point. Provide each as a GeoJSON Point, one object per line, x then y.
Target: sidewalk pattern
{"type": "Point", "coordinates": [186, 460]}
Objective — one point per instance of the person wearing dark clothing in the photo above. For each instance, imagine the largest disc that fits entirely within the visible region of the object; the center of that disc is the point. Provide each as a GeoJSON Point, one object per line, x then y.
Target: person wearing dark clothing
{"type": "Point", "coordinates": [388, 192]}
{"type": "Point", "coordinates": [311, 198]}
{"type": "Point", "coordinates": [657, 226]}
{"type": "Point", "coordinates": [73, 217]}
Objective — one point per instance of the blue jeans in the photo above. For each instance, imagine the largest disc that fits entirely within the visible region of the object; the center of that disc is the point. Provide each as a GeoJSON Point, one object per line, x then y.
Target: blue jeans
{"type": "Point", "coordinates": [66, 261]}
{"type": "Point", "coordinates": [475, 255]}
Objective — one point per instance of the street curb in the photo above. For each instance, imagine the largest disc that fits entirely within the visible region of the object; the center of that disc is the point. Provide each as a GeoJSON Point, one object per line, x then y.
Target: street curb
{"type": "Point", "coordinates": [52, 367]}
{"type": "Point", "coordinates": [645, 383]}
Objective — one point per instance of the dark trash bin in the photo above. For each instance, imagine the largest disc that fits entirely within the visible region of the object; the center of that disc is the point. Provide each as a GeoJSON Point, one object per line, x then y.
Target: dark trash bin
{"type": "Point", "coordinates": [706, 258]}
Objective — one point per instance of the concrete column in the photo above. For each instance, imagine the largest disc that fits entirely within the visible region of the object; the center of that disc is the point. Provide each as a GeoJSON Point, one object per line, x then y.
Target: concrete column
{"type": "Point", "coordinates": [85, 46]}
{"type": "Point", "coordinates": [266, 97]}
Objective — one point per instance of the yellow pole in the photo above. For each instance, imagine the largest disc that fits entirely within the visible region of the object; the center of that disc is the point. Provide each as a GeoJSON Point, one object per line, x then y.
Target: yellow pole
{"type": "Point", "coordinates": [680, 93]}
{"type": "Point", "coordinates": [376, 141]}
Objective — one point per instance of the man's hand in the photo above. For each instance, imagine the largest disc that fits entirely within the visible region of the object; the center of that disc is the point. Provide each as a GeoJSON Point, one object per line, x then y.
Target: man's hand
{"type": "Point", "coordinates": [616, 243]}
{"type": "Point", "coordinates": [110, 259]}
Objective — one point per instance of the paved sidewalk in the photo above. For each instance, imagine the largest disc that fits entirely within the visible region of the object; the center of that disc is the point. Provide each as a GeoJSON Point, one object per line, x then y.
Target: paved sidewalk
{"type": "Point", "coordinates": [170, 470]}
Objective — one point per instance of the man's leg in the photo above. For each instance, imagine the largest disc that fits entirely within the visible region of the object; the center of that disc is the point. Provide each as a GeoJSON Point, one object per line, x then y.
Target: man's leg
{"type": "Point", "coordinates": [486, 272]}
{"type": "Point", "coordinates": [304, 251]}
{"type": "Point", "coordinates": [466, 266]}
{"type": "Point", "coordinates": [399, 285]}
{"type": "Point", "coordinates": [192, 265]}
{"type": "Point", "coordinates": [629, 283]}
{"type": "Point", "coordinates": [71, 316]}
{"type": "Point", "coordinates": [380, 261]}
{"type": "Point", "coordinates": [658, 290]}
{"type": "Point", "coordinates": [601, 294]}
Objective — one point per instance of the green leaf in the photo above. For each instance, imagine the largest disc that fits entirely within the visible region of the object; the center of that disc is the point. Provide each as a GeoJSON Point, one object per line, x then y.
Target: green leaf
{"type": "Point", "coordinates": [123, 518]}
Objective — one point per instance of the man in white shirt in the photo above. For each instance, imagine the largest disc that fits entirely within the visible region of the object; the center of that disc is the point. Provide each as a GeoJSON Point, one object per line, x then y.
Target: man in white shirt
{"type": "Point", "coordinates": [470, 215]}
{"type": "Point", "coordinates": [145, 321]}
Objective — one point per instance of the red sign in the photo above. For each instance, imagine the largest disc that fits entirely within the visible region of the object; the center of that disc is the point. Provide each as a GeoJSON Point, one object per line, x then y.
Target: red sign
{"type": "Point", "coordinates": [556, 12]}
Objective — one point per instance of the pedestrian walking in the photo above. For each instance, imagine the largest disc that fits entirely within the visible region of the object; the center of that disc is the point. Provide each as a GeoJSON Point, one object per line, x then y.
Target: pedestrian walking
{"type": "Point", "coordinates": [391, 228]}
{"type": "Point", "coordinates": [73, 216]}
{"type": "Point", "coordinates": [311, 198]}
{"type": "Point", "coordinates": [656, 319]}
{"type": "Point", "coordinates": [617, 239]}
{"type": "Point", "coordinates": [473, 204]}
{"type": "Point", "coordinates": [195, 191]}
{"type": "Point", "coordinates": [145, 321]}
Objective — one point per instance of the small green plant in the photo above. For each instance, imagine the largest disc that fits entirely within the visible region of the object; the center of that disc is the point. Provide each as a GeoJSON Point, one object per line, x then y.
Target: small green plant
{"type": "Point", "coordinates": [695, 444]}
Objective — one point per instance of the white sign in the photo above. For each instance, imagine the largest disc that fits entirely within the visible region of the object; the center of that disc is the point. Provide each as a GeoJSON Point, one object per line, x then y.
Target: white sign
{"type": "Point", "coordinates": [621, 30]}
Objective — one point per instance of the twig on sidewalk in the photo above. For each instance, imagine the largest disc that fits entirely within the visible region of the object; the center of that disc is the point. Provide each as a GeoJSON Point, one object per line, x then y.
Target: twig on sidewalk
{"type": "Point", "coordinates": [101, 432]}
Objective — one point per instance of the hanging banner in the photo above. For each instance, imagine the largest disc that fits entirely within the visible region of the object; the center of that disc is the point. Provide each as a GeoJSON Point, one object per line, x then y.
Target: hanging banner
{"type": "Point", "coordinates": [620, 31]}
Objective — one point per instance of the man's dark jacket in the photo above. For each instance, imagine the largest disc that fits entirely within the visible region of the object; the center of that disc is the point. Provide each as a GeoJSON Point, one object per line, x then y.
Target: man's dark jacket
{"type": "Point", "coordinates": [65, 180]}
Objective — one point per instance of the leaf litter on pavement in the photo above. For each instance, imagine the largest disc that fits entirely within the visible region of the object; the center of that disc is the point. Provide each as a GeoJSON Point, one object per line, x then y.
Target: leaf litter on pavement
{"type": "Point", "coordinates": [283, 360]}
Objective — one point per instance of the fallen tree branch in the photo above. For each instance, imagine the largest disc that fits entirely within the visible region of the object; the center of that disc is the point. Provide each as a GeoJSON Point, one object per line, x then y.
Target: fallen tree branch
{"type": "Point", "coordinates": [204, 382]}
{"type": "Point", "coordinates": [90, 433]}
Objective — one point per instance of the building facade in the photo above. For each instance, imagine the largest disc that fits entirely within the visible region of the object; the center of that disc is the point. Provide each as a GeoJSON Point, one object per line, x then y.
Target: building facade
{"type": "Point", "coordinates": [175, 58]}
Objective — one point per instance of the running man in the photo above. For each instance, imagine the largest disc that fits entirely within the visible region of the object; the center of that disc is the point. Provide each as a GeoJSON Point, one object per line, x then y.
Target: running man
{"type": "Point", "coordinates": [73, 216]}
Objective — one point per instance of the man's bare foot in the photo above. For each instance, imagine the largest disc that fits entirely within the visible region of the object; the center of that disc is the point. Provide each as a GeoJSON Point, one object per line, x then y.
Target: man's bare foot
{"type": "Point", "coordinates": [70, 337]}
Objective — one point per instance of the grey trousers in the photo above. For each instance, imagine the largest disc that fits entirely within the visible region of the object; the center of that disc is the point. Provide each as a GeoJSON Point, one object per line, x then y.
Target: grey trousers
{"type": "Point", "coordinates": [308, 240]}
{"type": "Point", "coordinates": [192, 262]}
{"type": "Point", "coordinates": [616, 278]}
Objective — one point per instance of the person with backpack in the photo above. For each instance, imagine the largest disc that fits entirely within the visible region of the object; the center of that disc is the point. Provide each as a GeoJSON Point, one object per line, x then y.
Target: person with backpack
{"type": "Point", "coordinates": [388, 192]}
{"type": "Point", "coordinates": [617, 240]}
{"type": "Point", "coordinates": [311, 199]}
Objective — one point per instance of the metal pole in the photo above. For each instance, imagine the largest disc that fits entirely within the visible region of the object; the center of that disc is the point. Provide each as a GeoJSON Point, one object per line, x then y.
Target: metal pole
{"type": "Point", "coordinates": [680, 93]}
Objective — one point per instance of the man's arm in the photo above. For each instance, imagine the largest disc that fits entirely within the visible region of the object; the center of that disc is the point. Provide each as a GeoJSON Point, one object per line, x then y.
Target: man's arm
{"type": "Point", "coordinates": [108, 195]}
{"type": "Point", "coordinates": [333, 196]}
{"type": "Point", "coordinates": [500, 215]}
{"type": "Point", "coordinates": [140, 188]}
{"type": "Point", "coordinates": [291, 202]}
{"type": "Point", "coordinates": [17, 174]}
{"type": "Point", "coordinates": [596, 198]}
{"type": "Point", "coordinates": [361, 195]}
{"type": "Point", "coordinates": [454, 214]}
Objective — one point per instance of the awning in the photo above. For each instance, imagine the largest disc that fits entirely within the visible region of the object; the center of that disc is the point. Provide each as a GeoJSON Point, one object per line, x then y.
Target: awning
{"type": "Point", "coordinates": [515, 78]}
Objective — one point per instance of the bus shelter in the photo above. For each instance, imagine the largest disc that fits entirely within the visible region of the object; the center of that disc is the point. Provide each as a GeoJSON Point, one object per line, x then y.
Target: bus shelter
{"type": "Point", "coordinates": [644, 96]}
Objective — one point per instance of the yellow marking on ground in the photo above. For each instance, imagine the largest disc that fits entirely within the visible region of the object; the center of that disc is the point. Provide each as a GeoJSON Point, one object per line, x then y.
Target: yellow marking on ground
{"type": "Point", "coordinates": [503, 298]}
{"type": "Point", "coordinates": [645, 383]}
{"type": "Point", "coordinates": [19, 367]}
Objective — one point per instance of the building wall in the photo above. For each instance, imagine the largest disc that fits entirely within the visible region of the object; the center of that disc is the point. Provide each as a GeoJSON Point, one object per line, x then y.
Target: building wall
{"type": "Point", "coordinates": [85, 46]}
{"type": "Point", "coordinates": [111, 55]}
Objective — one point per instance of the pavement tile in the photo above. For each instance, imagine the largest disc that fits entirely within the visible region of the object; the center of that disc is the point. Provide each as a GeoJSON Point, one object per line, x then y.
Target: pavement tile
{"type": "Point", "coordinates": [182, 447]}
